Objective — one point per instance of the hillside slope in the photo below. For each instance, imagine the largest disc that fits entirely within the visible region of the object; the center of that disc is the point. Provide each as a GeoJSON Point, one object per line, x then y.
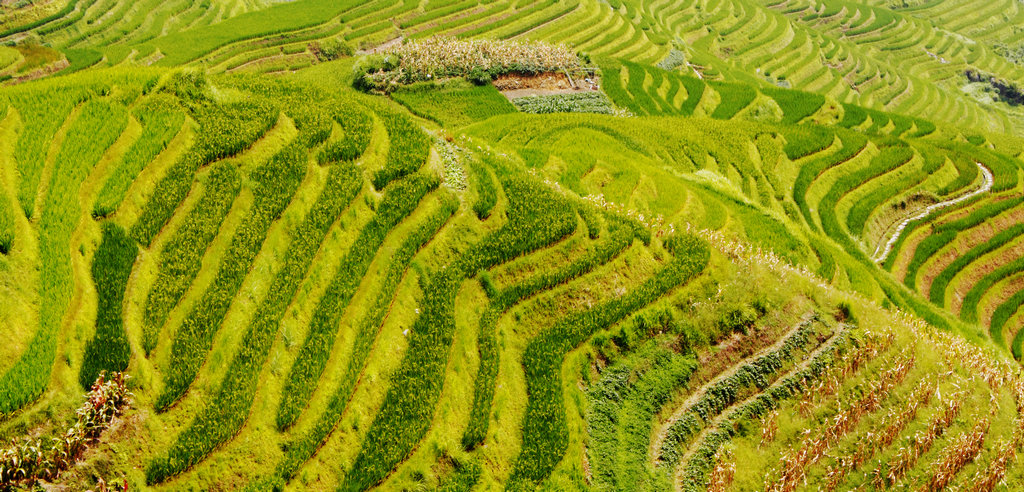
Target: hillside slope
{"type": "Point", "coordinates": [682, 276]}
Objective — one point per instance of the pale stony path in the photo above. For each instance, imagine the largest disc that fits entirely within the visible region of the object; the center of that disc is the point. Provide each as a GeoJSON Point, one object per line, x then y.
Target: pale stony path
{"type": "Point", "coordinates": [883, 250]}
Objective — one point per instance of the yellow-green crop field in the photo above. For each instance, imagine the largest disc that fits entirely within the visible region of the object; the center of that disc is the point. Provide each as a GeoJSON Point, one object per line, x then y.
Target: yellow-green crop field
{"type": "Point", "coordinates": [461, 245]}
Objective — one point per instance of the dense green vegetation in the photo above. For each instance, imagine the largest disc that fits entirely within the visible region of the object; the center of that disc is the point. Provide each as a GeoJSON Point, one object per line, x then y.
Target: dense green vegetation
{"type": "Point", "coordinates": [538, 244]}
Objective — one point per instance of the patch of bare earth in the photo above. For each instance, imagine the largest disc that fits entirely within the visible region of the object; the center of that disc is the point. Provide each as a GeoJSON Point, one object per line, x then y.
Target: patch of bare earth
{"type": "Point", "coordinates": [385, 46]}
{"type": "Point", "coordinates": [544, 84]}
{"type": "Point", "coordinates": [41, 72]}
{"type": "Point", "coordinates": [965, 241]}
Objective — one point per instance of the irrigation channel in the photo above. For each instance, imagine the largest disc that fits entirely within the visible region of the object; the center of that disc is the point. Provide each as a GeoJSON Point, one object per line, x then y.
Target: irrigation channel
{"type": "Point", "coordinates": [985, 186]}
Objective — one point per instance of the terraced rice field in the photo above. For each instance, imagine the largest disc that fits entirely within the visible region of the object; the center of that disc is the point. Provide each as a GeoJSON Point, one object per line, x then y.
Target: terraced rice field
{"type": "Point", "coordinates": [772, 246]}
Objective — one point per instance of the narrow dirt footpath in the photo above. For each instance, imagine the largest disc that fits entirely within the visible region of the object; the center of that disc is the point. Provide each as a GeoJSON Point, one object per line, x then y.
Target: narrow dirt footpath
{"type": "Point", "coordinates": [883, 250]}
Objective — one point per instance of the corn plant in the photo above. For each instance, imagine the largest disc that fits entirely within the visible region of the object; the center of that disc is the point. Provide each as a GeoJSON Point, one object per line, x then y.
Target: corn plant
{"type": "Point", "coordinates": [794, 462]}
{"type": "Point", "coordinates": [912, 449]}
{"type": "Point", "coordinates": [964, 449]}
{"type": "Point", "coordinates": [36, 459]}
{"type": "Point", "coordinates": [893, 424]}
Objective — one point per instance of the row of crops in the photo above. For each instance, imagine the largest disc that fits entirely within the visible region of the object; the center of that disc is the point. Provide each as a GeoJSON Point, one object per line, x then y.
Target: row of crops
{"type": "Point", "coordinates": [304, 283]}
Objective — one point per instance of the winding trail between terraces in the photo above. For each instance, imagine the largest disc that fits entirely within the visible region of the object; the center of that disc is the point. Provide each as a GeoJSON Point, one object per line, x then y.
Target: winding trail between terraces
{"type": "Point", "coordinates": [985, 186]}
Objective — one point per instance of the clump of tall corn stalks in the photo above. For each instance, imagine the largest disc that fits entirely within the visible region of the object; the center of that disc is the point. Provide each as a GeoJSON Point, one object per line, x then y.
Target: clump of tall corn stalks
{"type": "Point", "coordinates": [480, 60]}
{"type": "Point", "coordinates": [32, 460]}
